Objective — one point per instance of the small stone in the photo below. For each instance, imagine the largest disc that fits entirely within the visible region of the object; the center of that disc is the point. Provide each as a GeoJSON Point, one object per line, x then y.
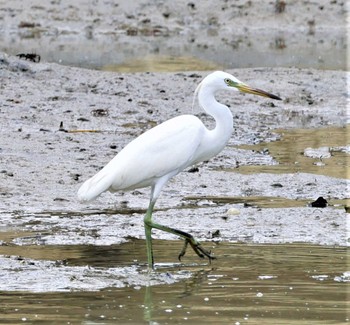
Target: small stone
{"type": "Point", "coordinates": [319, 203]}
{"type": "Point", "coordinates": [233, 212]}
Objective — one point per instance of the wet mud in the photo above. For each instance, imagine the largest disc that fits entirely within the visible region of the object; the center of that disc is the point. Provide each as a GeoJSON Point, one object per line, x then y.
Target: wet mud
{"type": "Point", "coordinates": [280, 260]}
{"type": "Point", "coordinates": [226, 34]}
{"type": "Point", "coordinates": [61, 125]}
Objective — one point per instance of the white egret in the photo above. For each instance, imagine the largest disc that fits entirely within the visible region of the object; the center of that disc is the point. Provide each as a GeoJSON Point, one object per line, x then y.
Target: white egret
{"type": "Point", "coordinates": [165, 150]}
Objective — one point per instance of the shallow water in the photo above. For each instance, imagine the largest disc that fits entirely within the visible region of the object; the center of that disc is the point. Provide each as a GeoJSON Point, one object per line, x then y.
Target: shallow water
{"type": "Point", "coordinates": [265, 284]}
{"type": "Point", "coordinates": [233, 35]}
{"type": "Point", "coordinates": [162, 64]}
{"type": "Point", "coordinates": [247, 284]}
{"type": "Point", "coordinates": [289, 152]}
{"type": "Point", "coordinates": [282, 284]}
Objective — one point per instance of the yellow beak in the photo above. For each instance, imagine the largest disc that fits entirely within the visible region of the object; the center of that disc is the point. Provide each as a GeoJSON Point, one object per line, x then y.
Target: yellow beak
{"type": "Point", "coordinates": [255, 91]}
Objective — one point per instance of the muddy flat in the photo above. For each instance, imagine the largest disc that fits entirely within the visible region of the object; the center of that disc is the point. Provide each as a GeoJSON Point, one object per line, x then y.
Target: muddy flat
{"type": "Point", "coordinates": [109, 72]}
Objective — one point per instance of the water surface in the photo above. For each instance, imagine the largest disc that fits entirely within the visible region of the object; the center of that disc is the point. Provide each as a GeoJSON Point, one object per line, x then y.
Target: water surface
{"type": "Point", "coordinates": [247, 284]}
{"type": "Point", "coordinates": [289, 152]}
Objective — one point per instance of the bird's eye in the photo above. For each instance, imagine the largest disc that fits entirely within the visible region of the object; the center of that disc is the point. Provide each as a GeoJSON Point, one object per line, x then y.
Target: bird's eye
{"type": "Point", "coordinates": [227, 81]}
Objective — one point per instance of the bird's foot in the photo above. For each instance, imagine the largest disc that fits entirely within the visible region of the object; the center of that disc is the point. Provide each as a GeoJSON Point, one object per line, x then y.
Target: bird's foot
{"type": "Point", "coordinates": [198, 249]}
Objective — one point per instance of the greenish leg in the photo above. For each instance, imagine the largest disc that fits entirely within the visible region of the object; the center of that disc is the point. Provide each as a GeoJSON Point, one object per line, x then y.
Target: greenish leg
{"type": "Point", "coordinates": [148, 232]}
{"type": "Point", "coordinates": [189, 239]}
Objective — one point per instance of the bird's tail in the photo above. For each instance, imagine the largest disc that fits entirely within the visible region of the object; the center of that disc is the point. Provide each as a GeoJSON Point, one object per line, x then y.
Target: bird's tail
{"type": "Point", "coordinates": [94, 186]}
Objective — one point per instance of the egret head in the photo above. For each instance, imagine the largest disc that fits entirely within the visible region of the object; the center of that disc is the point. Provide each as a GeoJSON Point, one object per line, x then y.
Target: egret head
{"type": "Point", "coordinates": [220, 80]}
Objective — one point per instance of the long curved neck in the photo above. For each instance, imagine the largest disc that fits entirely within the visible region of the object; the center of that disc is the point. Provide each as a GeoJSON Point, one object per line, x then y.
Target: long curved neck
{"type": "Point", "coordinates": [220, 135]}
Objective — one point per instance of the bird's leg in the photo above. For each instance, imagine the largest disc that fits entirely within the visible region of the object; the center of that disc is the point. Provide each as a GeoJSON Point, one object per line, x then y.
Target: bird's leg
{"type": "Point", "coordinates": [189, 239]}
{"type": "Point", "coordinates": [183, 251]}
{"type": "Point", "coordinates": [148, 232]}
{"type": "Point", "coordinates": [196, 246]}
{"type": "Point", "coordinates": [198, 249]}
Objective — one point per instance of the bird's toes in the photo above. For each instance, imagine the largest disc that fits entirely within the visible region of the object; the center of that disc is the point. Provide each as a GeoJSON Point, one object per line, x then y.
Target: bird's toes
{"type": "Point", "coordinates": [181, 255]}
{"type": "Point", "coordinates": [207, 254]}
{"type": "Point", "coordinates": [183, 251]}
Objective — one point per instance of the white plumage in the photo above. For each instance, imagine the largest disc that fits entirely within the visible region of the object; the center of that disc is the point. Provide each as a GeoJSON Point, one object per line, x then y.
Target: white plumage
{"type": "Point", "coordinates": [167, 149]}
